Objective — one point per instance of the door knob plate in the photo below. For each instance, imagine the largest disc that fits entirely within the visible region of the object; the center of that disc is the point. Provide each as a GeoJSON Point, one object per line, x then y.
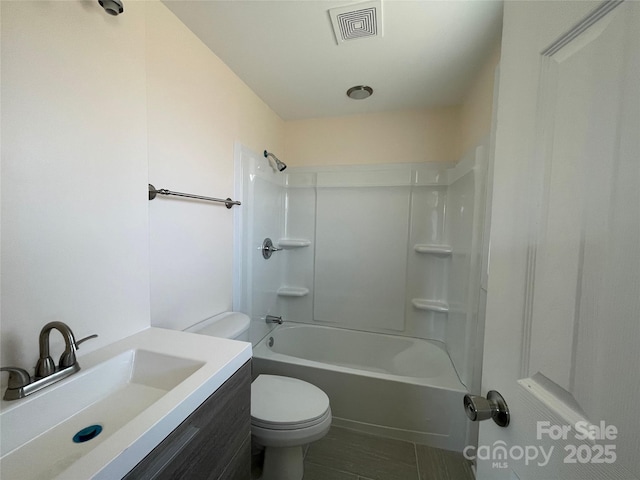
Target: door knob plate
{"type": "Point", "coordinates": [501, 414]}
{"type": "Point", "coordinates": [494, 406]}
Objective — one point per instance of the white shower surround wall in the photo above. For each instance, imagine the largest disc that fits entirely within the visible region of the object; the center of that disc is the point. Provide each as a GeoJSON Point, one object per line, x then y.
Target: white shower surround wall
{"type": "Point", "coordinates": [465, 231]}
{"type": "Point", "coordinates": [380, 248]}
{"type": "Point", "coordinates": [255, 280]}
{"type": "Point", "coordinates": [360, 267]}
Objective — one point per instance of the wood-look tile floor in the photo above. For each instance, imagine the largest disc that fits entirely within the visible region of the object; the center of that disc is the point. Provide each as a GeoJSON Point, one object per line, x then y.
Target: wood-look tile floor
{"type": "Point", "coordinates": [345, 454]}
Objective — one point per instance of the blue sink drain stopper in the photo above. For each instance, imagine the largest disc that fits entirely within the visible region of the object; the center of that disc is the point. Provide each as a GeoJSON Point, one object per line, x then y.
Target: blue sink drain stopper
{"type": "Point", "coordinates": [87, 433]}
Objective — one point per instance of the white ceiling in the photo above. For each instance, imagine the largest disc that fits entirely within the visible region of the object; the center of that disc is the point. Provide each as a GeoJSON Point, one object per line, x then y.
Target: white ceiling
{"type": "Point", "coordinates": [286, 51]}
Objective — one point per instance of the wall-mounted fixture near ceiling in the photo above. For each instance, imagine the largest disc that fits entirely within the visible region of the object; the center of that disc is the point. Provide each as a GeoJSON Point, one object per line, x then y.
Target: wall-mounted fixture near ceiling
{"type": "Point", "coordinates": [359, 92]}
{"type": "Point", "coordinates": [112, 7]}
{"type": "Point", "coordinates": [279, 165]}
{"type": "Point", "coordinates": [357, 21]}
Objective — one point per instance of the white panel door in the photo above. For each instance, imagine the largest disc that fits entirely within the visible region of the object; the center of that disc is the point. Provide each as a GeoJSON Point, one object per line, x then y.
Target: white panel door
{"type": "Point", "coordinates": [563, 314]}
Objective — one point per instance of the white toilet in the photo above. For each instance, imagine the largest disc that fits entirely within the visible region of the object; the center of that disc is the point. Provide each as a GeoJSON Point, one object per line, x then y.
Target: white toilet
{"type": "Point", "coordinates": [286, 413]}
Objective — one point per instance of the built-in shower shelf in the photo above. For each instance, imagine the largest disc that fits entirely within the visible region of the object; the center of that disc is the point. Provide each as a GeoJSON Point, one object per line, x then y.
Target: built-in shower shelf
{"type": "Point", "coordinates": [293, 292]}
{"type": "Point", "coordinates": [430, 305]}
{"type": "Point", "coordinates": [293, 242]}
{"type": "Point", "coordinates": [433, 249]}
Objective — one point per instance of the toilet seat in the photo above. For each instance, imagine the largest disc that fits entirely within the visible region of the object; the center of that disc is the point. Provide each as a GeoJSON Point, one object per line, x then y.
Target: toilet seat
{"type": "Point", "coordinates": [290, 426]}
{"type": "Point", "coordinates": [284, 403]}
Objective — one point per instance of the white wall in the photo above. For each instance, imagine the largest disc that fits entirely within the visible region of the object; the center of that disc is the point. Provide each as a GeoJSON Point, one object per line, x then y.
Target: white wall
{"type": "Point", "coordinates": [298, 262]}
{"type": "Point", "coordinates": [74, 158]}
{"type": "Point", "coordinates": [95, 107]}
{"type": "Point", "coordinates": [360, 257]}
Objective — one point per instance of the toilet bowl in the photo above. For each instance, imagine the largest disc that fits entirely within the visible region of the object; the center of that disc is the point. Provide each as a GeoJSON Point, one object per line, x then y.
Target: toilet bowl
{"type": "Point", "coordinates": [286, 413]}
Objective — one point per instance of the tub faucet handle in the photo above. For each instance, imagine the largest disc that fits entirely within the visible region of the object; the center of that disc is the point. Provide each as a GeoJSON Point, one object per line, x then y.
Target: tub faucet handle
{"type": "Point", "coordinates": [268, 248]}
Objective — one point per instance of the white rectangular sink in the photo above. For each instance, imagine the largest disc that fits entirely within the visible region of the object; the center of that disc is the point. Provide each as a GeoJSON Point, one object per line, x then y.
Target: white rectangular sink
{"type": "Point", "coordinates": [136, 390]}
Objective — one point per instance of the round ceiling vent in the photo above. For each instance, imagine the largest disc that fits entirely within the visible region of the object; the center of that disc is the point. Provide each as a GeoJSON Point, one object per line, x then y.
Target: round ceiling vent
{"type": "Point", "coordinates": [359, 92]}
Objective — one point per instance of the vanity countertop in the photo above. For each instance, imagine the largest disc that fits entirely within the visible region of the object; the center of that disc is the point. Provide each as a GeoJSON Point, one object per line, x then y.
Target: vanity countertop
{"type": "Point", "coordinates": [196, 366]}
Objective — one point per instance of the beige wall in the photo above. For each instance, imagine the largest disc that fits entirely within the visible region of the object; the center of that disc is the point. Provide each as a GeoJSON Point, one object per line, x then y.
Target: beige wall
{"type": "Point", "coordinates": [477, 105]}
{"type": "Point", "coordinates": [197, 108]}
{"type": "Point", "coordinates": [427, 135]}
{"type": "Point", "coordinates": [389, 137]}
{"type": "Point", "coordinates": [95, 107]}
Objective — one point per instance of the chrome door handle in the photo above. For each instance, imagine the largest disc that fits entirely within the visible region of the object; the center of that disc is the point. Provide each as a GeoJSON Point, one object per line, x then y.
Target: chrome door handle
{"type": "Point", "coordinates": [494, 406]}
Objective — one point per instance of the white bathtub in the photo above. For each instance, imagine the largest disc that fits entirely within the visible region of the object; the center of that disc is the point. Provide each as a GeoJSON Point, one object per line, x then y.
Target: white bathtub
{"type": "Point", "coordinates": [396, 386]}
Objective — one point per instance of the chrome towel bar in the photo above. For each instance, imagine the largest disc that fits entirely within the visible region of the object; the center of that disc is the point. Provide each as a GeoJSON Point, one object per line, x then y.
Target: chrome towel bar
{"type": "Point", "coordinates": [163, 191]}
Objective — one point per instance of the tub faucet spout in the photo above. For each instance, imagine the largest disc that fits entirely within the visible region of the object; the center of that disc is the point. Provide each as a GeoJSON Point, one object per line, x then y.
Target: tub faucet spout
{"type": "Point", "coordinates": [273, 319]}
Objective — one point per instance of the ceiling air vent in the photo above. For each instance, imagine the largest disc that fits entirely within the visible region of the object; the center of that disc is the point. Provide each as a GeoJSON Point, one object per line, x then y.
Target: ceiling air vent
{"type": "Point", "coordinates": [354, 22]}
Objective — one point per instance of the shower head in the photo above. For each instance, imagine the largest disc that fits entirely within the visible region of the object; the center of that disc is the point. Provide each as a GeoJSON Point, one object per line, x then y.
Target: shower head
{"type": "Point", "coordinates": [279, 165]}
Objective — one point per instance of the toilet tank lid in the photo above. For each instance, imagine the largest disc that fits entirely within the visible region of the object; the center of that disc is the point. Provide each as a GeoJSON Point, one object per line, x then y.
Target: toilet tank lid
{"type": "Point", "coordinates": [224, 325]}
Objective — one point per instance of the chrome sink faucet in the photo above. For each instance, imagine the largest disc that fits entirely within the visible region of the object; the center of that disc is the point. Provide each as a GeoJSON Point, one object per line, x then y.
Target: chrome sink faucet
{"type": "Point", "coordinates": [45, 365]}
{"type": "Point", "coordinates": [20, 382]}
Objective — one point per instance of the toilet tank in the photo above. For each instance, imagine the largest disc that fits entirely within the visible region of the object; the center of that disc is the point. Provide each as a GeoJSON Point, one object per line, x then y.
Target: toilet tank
{"type": "Point", "coordinates": [232, 325]}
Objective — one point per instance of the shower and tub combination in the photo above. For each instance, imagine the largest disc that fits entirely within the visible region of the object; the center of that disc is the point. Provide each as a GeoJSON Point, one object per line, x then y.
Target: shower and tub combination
{"type": "Point", "coordinates": [396, 386]}
{"type": "Point", "coordinates": [377, 272]}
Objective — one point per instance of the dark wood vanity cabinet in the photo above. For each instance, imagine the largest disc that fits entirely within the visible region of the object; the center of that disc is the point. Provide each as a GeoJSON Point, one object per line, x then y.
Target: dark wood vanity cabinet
{"type": "Point", "coordinates": [213, 443]}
